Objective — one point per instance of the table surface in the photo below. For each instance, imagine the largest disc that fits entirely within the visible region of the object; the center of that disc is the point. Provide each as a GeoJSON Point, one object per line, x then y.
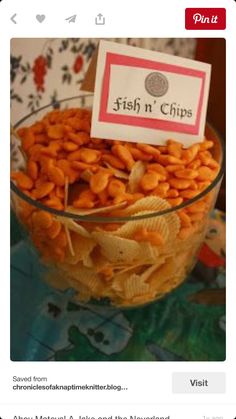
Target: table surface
{"type": "Point", "coordinates": [186, 325]}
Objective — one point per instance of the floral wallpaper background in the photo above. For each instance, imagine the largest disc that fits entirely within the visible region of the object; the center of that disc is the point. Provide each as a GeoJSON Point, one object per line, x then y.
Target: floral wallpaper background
{"type": "Point", "coordinates": [45, 70]}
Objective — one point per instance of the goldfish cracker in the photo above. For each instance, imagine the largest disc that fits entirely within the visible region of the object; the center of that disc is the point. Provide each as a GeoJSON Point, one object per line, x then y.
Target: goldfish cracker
{"type": "Point", "coordinates": [103, 197]}
{"type": "Point", "coordinates": [79, 165]}
{"type": "Point", "coordinates": [174, 148]}
{"type": "Point", "coordinates": [156, 167]}
{"type": "Point", "coordinates": [69, 170]}
{"type": "Point", "coordinates": [138, 154]}
{"type": "Point", "coordinates": [56, 132]}
{"type": "Point", "coordinates": [193, 185]}
{"type": "Point", "coordinates": [115, 187]}
{"type": "Point", "coordinates": [195, 164]}
{"type": "Point", "coordinates": [149, 181]}
{"type": "Point", "coordinates": [54, 202]}
{"type": "Point", "coordinates": [28, 140]}
{"type": "Point", "coordinates": [41, 179]}
{"type": "Point", "coordinates": [60, 192]}
{"type": "Point", "coordinates": [154, 237]}
{"type": "Point", "coordinates": [50, 150]}
{"type": "Point", "coordinates": [54, 230]}
{"type": "Point", "coordinates": [42, 219]}
{"type": "Point", "coordinates": [190, 154]}
{"type": "Point", "coordinates": [99, 181]}
{"type": "Point", "coordinates": [89, 156]}
{"type": "Point", "coordinates": [88, 194]}
{"type": "Point", "coordinates": [172, 193]}
{"type": "Point", "coordinates": [185, 219]}
{"type": "Point", "coordinates": [124, 155]}
{"type": "Point", "coordinates": [79, 138]}
{"type": "Point", "coordinates": [185, 232]}
{"type": "Point", "coordinates": [188, 193]}
{"type": "Point", "coordinates": [163, 149]}
{"type": "Point", "coordinates": [205, 157]}
{"type": "Point", "coordinates": [37, 128]}
{"type": "Point", "coordinates": [41, 139]}
{"type": "Point", "coordinates": [34, 152]}
{"type": "Point", "coordinates": [174, 202]}
{"type": "Point", "coordinates": [32, 169]}
{"type": "Point", "coordinates": [186, 174]}
{"type": "Point", "coordinates": [23, 180]}
{"type": "Point", "coordinates": [70, 146]}
{"type": "Point", "coordinates": [74, 155]}
{"type": "Point", "coordinates": [174, 160]}
{"type": "Point", "coordinates": [113, 161]}
{"type": "Point", "coordinates": [164, 160]}
{"type": "Point", "coordinates": [214, 164]}
{"type": "Point", "coordinates": [46, 163]}
{"type": "Point", "coordinates": [196, 207]}
{"type": "Point", "coordinates": [83, 203]}
{"type": "Point", "coordinates": [205, 174]}
{"type": "Point", "coordinates": [203, 185]}
{"type": "Point", "coordinates": [56, 175]}
{"type": "Point", "coordinates": [179, 183]}
{"type": "Point", "coordinates": [43, 190]}
{"type": "Point", "coordinates": [127, 197]}
{"type": "Point", "coordinates": [196, 216]}
{"type": "Point", "coordinates": [21, 132]}
{"type": "Point", "coordinates": [173, 168]}
{"type": "Point", "coordinates": [148, 149]}
{"type": "Point", "coordinates": [206, 145]}
{"type": "Point", "coordinates": [162, 189]}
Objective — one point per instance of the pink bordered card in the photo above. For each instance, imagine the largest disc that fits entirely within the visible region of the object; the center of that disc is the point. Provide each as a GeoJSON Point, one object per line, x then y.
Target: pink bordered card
{"type": "Point", "coordinates": [146, 96]}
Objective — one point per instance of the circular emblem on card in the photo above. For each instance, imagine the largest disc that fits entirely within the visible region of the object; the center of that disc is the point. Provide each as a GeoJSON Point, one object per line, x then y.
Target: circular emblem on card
{"type": "Point", "coordinates": [156, 84]}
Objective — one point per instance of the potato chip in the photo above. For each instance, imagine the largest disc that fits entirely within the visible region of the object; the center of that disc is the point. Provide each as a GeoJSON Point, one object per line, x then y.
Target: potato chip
{"type": "Point", "coordinates": [87, 261]}
{"type": "Point", "coordinates": [140, 266]}
{"type": "Point", "coordinates": [73, 226]}
{"type": "Point", "coordinates": [148, 272]}
{"type": "Point", "coordinates": [99, 261]}
{"type": "Point", "coordinates": [85, 276]}
{"type": "Point", "coordinates": [70, 245]}
{"type": "Point", "coordinates": [82, 246]}
{"type": "Point", "coordinates": [150, 203]}
{"type": "Point", "coordinates": [134, 286]}
{"type": "Point", "coordinates": [118, 283]}
{"type": "Point", "coordinates": [136, 175]}
{"type": "Point", "coordinates": [100, 210]}
{"type": "Point", "coordinates": [151, 224]}
{"type": "Point", "coordinates": [173, 223]}
{"type": "Point", "coordinates": [66, 192]}
{"type": "Point", "coordinates": [119, 174]}
{"type": "Point", "coordinates": [56, 279]}
{"type": "Point", "coordinates": [120, 250]}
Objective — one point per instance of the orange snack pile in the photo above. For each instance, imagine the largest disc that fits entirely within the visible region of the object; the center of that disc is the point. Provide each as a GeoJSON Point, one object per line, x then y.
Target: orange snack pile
{"type": "Point", "coordinates": [66, 169]}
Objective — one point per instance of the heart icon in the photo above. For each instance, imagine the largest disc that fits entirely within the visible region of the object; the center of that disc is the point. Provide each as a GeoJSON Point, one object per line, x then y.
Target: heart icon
{"type": "Point", "coordinates": [40, 18]}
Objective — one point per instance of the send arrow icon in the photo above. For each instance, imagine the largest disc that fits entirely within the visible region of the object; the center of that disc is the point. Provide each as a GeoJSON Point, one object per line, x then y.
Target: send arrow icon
{"type": "Point", "coordinates": [71, 19]}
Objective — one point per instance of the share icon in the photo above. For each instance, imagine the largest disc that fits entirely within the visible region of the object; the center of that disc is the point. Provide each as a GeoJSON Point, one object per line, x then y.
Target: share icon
{"type": "Point", "coordinates": [71, 19]}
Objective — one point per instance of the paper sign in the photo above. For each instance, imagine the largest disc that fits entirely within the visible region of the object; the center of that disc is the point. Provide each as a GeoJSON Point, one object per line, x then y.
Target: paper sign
{"type": "Point", "coordinates": [149, 97]}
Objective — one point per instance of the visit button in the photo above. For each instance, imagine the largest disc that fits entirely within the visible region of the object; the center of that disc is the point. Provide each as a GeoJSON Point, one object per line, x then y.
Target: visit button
{"type": "Point", "coordinates": [205, 18]}
{"type": "Point", "coordinates": [198, 382]}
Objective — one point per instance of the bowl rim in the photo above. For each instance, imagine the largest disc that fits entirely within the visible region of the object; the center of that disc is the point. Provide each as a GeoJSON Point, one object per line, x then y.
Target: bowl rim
{"type": "Point", "coordinates": [104, 219]}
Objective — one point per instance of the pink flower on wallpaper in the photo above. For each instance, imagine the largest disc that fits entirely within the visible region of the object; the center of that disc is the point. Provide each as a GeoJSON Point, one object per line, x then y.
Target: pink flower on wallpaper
{"type": "Point", "coordinates": [39, 70]}
{"type": "Point", "coordinates": [78, 64]}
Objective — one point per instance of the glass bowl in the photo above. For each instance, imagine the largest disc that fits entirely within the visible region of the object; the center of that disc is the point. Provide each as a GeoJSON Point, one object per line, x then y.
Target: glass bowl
{"type": "Point", "coordinates": [95, 254]}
